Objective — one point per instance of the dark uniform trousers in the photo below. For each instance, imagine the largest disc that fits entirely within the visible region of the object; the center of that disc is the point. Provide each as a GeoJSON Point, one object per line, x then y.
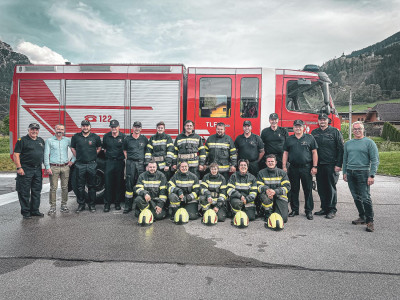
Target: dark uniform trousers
{"type": "Point", "coordinates": [133, 169]}
{"type": "Point", "coordinates": [249, 208]}
{"type": "Point", "coordinates": [296, 175]}
{"type": "Point", "coordinates": [254, 168]}
{"type": "Point", "coordinates": [222, 212]}
{"type": "Point", "coordinates": [114, 178]}
{"type": "Point", "coordinates": [327, 179]}
{"type": "Point", "coordinates": [141, 204]}
{"type": "Point", "coordinates": [175, 204]}
{"type": "Point", "coordinates": [86, 175]}
{"type": "Point", "coordinates": [29, 187]}
{"type": "Point", "coordinates": [279, 206]}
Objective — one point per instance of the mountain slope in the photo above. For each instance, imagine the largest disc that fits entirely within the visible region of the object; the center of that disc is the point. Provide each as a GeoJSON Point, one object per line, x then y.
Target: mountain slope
{"type": "Point", "coordinates": [8, 59]}
{"type": "Point", "coordinates": [371, 73]}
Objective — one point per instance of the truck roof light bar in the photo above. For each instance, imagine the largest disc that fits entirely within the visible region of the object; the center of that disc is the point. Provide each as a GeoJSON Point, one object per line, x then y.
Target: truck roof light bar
{"type": "Point", "coordinates": [40, 68]}
{"type": "Point", "coordinates": [97, 68]}
{"type": "Point", "coordinates": [155, 69]}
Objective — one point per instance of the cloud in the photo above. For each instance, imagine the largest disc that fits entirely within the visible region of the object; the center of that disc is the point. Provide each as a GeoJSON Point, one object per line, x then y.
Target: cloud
{"type": "Point", "coordinates": [40, 55]}
{"type": "Point", "coordinates": [221, 33]}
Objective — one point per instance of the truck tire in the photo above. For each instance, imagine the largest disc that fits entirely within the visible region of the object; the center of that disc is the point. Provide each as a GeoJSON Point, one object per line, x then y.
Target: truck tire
{"type": "Point", "coordinates": [100, 186]}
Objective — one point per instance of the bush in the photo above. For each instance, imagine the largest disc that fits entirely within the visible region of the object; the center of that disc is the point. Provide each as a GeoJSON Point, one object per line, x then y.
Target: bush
{"type": "Point", "coordinates": [345, 131]}
{"type": "Point", "coordinates": [390, 132]}
{"type": "Point", "coordinates": [388, 146]}
{"type": "Point", "coordinates": [5, 125]}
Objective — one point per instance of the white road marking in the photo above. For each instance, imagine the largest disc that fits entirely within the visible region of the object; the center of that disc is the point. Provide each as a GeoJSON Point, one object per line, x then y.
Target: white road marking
{"type": "Point", "coordinates": [13, 196]}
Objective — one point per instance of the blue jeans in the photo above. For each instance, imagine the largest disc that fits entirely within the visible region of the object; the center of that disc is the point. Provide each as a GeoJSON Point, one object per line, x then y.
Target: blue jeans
{"type": "Point", "coordinates": [359, 188]}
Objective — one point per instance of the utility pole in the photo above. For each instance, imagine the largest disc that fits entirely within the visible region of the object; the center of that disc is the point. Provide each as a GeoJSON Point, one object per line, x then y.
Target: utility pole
{"type": "Point", "coordinates": [350, 114]}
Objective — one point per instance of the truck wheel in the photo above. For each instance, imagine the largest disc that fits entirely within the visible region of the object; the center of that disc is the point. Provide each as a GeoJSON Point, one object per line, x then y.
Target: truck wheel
{"type": "Point", "coordinates": [100, 186]}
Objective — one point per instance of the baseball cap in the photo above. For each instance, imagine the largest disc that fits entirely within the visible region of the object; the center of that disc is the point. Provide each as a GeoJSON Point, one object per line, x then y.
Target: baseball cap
{"type": "Point", "coordinates": [85, 122]}
{"type": "Point", "coordinates": [34, 126]}
{"type": "Point", "coordinates": [298, 123]}
{"type": "Point", "coordinates": [322, 116]}
{"type": "Point", "coordinates": [137, 124]}
{"type": "Point", "coordinates": [246, 123]}
{"type": "Point", "coordinates": [273, 116]}
{"type": "Point", "coordinates": [114, 123]}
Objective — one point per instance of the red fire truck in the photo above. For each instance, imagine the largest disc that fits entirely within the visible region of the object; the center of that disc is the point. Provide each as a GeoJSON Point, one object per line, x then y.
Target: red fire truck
{"type": "Point", "coordinates": [67, 94]}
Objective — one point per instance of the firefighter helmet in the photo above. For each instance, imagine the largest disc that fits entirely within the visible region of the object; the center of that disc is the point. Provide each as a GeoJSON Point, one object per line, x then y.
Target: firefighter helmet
{"type": "Point", "coordinates": [240, 220]}
{"type": "Point", "coordinates": [146, 217]}
{"type": "Point", "coordinates": [275, 221]}
{"type": "Point", "coordinates": [181, 216]}
{"type": "Point", "coordinates": [210, 217]}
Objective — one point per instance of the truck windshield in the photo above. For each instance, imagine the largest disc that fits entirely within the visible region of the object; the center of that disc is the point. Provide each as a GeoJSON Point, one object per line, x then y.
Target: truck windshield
{"type": "Point", "coordinates": [304, 98]}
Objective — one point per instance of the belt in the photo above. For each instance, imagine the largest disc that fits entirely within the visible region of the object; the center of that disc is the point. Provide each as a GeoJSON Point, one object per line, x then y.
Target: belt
{"type": "Point", "coordinates": [187, 156]}
{"type": "Point", "coordinates": [86, 162]}
{"type": "Point", "coordinates": [58, 165]}
{"type": "Point", "coordinates": [110, 158]}
{"type": "Point", "coordinates": [300, 166]}
{"type": "Point", "coordinates": [139, 160]}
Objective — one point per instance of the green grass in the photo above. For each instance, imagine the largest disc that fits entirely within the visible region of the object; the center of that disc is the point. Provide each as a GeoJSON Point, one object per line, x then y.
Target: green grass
{"type": "Point", "coordinates": [389, 163]}
{"type": "Point", "coordinates": [6, 164]}
{"type": "Point", "coordinates": [4, 144]}
{"type": "Point", "coordinates": [364, 107]}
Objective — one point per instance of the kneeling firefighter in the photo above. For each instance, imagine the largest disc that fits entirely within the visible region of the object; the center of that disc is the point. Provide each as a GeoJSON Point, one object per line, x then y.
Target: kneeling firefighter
{"type": "Point", "coordinates": [151, 189]}
{"type": "Point", "coordinates": [273, 187]}
{"type": "Point", "coordinates": [242, 190]}
{"type": "Point", "coordinates": [213, 192]}
{"type": "Point", "coordinates": [183, 191]}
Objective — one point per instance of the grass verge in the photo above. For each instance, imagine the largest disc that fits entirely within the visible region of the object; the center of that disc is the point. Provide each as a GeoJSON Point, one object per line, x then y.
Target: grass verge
{"type": "Point", "coordinates": [363, 107]}
{"type": "Point", "coordinates": [6, 164]}
{"type": "Point", "coordinates": [389, 163]}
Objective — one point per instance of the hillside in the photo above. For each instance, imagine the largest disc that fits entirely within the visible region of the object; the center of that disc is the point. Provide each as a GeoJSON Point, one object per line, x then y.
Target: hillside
{"type": "Point", "coordinates": [8, 59]}
{"type": "Point", "coordinates": [371, 73]}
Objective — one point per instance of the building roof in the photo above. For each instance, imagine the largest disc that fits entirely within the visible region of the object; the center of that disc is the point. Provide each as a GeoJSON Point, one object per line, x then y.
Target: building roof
{"type": "Point", "coordinates": [387, 111]}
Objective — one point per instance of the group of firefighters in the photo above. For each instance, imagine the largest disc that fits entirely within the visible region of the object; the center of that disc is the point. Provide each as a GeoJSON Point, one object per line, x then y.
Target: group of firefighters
{"type": "Point", "coordinates": [162, 175]}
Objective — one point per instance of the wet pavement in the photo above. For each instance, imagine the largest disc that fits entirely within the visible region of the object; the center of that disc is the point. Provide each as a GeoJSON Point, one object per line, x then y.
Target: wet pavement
{"type": "Point", "coordinates": [106, 255]}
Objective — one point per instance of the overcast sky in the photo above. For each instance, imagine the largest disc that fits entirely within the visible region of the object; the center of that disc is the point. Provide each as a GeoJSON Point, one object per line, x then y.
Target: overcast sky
{"type": "Point", "coordinates": [244, 33]}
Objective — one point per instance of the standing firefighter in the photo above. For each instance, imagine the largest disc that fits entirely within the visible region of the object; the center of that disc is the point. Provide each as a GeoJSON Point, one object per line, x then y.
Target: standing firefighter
{"type": "Point", "coordinates": [85, 146]}
{"type": "Point", "coordinates": [221, 150]}
{"type": "Point", "coordinates": [113, 143]}
{"type": "Point", "coordinates": [273, 138]}
{"type": "Point", "coordinates": [183, 191]}
{"type": "Point", "coordinates": [151, 189]}
{"type": "Point", "coordinates": [134, 150]}
{"type": "Point", "coordinates": [330, 160]}
{"type": "Point", "coordinates": [161, 149]}
{"type": "Point", "coordinates": [28, 158]}
{"type": "Point", "coordinates": [242, 190]}
{"type": "Point", "coordinates": [189, 148]}
{"type": "Point", "coordinates": [273, 187]}
{"type": "Point", "coordinates": [250, 147]}
{"type": "Point", "coordinates": [213, 192]}
{"type": "Point", "coordinates": [300, 150]}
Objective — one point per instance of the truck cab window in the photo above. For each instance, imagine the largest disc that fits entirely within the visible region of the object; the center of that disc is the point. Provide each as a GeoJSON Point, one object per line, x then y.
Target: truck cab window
{"type": "Point", "coordinates": [304, 98]}
{"type": "Point", "coordinates": [249, 97]}
{"type": "Point", "coordinates": [215, 97]}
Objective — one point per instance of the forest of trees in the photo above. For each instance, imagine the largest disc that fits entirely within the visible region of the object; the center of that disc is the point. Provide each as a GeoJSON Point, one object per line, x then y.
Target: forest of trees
{"type": "Point", "coordinates": [372, 73]}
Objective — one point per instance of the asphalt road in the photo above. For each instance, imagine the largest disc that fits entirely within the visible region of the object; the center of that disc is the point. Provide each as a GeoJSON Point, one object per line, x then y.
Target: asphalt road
{"type": "Point", "coordinates": [103, 256]}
